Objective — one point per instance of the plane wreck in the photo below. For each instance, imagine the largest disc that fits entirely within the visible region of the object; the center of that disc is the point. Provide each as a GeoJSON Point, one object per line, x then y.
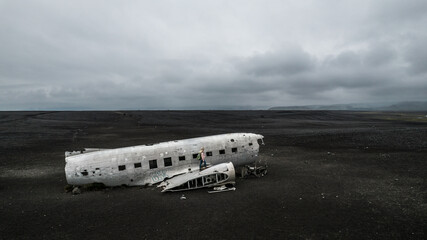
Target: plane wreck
{"type": "Point", "coordinates": [154, 163]}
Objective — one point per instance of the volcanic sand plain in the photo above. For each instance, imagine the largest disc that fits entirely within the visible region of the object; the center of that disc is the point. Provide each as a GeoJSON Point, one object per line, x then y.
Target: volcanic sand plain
{"type": "Point", "coordinates": [331, 175]}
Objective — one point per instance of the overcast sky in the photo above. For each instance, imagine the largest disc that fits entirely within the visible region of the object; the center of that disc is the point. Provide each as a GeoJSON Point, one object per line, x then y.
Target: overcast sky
{"type": "Point", "coordinates": [210, 54]}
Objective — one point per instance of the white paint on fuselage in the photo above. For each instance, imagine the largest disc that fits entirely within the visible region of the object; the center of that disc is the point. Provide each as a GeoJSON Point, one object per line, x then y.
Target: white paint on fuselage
{"type": "Point", "coordinates": [130, 165]}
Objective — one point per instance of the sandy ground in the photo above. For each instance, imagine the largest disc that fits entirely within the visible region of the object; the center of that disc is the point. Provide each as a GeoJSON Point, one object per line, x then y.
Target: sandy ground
{"type": "Point", "coordinates": [332, 175]}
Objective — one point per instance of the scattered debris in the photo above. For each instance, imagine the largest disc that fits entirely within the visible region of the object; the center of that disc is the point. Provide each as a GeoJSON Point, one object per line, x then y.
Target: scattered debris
{"type": "Point", "coordinates": [76, 191]}
{"type": "Point", "coordinates": [258, 171]}
{"type": "Point", "coordinates": [182, 197]}
{"type": "Point", "coordinates": [222, 188]}
{"type": "Point", "coordinates": [86, 187]}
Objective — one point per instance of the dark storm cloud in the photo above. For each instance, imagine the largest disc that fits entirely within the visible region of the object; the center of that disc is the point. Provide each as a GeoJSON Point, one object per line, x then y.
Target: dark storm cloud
{"type": "Point", "coordinates": [181, 55]}
{"type": "Point", "coordinates": [416, 56]}
{"type": "Point", "coordinates": [346, 59]}
{"type": "Point", "coordinates": [368, 71]}
{"type": "Point", "coordinates": [379, 55]}
{"type": "Point", "coordinates": [288, 62]}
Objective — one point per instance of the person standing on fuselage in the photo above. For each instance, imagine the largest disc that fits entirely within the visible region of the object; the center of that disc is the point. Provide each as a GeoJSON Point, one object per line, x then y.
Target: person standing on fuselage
{"type": "Point", "coordinates": [201, 156]}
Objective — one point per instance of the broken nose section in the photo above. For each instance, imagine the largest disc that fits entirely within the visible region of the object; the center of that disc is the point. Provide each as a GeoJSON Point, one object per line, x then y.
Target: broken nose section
{"type": "Point", "coordinates": [216, 175]}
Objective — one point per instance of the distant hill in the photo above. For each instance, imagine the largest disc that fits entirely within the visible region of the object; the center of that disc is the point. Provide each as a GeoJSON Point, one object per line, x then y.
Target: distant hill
{"type": "Point", "coordinates": [401, 106]}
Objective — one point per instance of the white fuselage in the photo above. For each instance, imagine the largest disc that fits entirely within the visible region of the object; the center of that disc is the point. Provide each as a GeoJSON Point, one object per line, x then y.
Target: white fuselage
{"type": "Point", "coordinates": [150, 164]}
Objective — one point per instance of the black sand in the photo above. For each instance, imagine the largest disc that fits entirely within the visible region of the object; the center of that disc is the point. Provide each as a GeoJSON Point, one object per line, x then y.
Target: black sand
{"type": "Point", "coordinates": [332, 175]}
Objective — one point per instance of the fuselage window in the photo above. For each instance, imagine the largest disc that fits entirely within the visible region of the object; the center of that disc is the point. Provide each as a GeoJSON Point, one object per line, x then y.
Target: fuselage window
{"type": "Point", "coordinates": [152, 163]}
{"type": "Point", "coordinates": [222, 151]}
{"type": "Point", "coordinates": [221, 177]}
{"type": "Point", "coordinates": [181, 158]}
{"type": "Point", "coordinates": [195, 155]}
{"type": "Point", "coordinates": [250, 144]}
{"type": "Point", "coordinates": [122, 167]}
{"type": "Point", "coordinates": [234, 150]}
{"type": "Point", "coordinates": [137, 165]}
{"type": "Point", "coordinates": [85, 173]}
{"type": "Point", "coordinates": [168, 161]}
{"type": "Point", "coordinates": [208, 153]}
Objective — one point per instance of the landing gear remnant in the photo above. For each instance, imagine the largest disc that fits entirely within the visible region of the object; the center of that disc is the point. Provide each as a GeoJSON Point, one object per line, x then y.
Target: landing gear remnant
{"type": "Point", "coordinates": [257, 170]}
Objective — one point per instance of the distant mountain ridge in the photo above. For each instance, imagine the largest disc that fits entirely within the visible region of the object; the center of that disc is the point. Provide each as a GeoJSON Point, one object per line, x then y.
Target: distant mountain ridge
{"type": "Point", "coordinates": [400, 106]}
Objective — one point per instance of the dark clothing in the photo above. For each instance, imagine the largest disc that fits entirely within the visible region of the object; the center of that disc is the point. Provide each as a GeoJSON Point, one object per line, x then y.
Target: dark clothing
{"type": "Point", "coordinates": [201, 162]}
{"type": "Point", "coordinates": [202, 159]}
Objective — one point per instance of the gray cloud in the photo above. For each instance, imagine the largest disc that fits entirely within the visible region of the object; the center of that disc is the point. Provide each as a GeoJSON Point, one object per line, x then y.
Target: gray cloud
{"type": "Point", "coordinates": [170, 55]}
{"type": "Point", "coordinates": [346, 59]}
{"type": "Point", "coordinates": [396, 12]}
{"type": "Point", "coordinates": [281, 62]}
{"type": "Point", "coordinates": [379, 55]}
{"type": "Point", "coordinates": [416, 55]}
